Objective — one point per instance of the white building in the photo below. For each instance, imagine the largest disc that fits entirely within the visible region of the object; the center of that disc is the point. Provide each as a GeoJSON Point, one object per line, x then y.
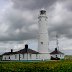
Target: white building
{"type": "Point", "coordinates": [43, 36]}
{"type": "Point", "coordinates": [23, 54]}
{"type": "Point", "coordinates": [29, 54]}
{"type": "Point", "coordinates": [43, 33]}
{"type": "Point", "coordinates": [56, 55]}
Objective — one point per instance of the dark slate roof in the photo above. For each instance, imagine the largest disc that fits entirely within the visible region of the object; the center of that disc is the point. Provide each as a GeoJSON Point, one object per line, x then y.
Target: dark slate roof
{"type": "Point", "coordinates": [22, 51]}
{"type": "Point", "coordinates": [10, 53]}
{"type": "Point", "coordinates": [56, 52]}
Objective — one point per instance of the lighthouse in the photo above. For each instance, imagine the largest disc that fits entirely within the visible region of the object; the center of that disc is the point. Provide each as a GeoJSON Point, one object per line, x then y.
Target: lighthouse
{"type": "Point", "coordinates": [43, 32]}
{"type": "Point", "coordinates": [43, 53]}
{"type": "Point", "coordinates": [43, 36]}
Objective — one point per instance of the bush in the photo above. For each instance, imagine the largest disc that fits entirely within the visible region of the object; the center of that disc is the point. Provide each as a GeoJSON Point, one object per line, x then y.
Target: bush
{"type": "Point", "coordinates": [48, 66]}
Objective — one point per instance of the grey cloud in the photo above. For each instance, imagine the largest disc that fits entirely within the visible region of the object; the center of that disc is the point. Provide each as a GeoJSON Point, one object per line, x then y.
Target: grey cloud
{"type": "Point", "coordinates": [17, 22]}
{"type": "Point", "coordinates": [67, 4]}
{"type": "Point", "coordinates": [32, 4]}
{"type": "Point", "coordinates": [64, 30]}
{"type": "Point", "coordinates": [18, 37]}
{"type": "Point", "coordinates": [19, 27]}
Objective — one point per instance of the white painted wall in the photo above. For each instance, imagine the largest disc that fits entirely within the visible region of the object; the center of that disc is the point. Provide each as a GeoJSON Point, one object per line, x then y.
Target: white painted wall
{"type": "Point", "coordinates": [12, 57]}
{"type": "Point", "coordinates": [28, 56]}
{"type": "Point", "coordinates": [44, 56]}
{"type": "Point", "coordinates": [43, 34]}
{"type": "Point", "coordinates": [16, 57]}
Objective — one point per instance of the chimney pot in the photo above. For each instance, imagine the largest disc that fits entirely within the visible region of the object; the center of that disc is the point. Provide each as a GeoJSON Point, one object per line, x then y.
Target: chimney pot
{"type": "Point", "coordinates": [11, 50]}
{"type": "Point", "coordinates": [26, 47]}
{"type": "Point", "coordinates": [55, 49]}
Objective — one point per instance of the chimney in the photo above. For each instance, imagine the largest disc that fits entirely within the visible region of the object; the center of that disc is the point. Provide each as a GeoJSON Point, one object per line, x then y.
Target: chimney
{"type": "Point", "coordinates": [26, 47]}
{"type": "Point", "coordinates": [55, 49]}
{"type": "Point", "coordinates": [11, 50]}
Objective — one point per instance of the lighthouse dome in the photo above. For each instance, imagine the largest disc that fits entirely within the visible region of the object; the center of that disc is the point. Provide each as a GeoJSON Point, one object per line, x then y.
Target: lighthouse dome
{"type": "Point", "coordinates": [42, 11]}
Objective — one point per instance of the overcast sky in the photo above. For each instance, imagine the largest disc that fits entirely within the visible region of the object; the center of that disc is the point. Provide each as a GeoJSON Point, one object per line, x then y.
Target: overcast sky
{"type": "Point", "coordinates": [19, 23]}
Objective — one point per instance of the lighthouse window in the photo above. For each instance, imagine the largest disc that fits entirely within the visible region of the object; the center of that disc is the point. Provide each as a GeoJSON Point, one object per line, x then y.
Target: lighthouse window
{"type": "Point", "coordinates": [41, 42]}
{"type": "Point", "coordinates": [45, 19]}
{"type": "Point", "coordinates": [40, 19]}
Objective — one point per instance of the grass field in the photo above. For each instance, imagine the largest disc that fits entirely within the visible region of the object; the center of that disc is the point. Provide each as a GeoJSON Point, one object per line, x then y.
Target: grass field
{"type": "Point", "coordinates": [68, 57]}
{"type": "Point", "coordinates": [49, 66]}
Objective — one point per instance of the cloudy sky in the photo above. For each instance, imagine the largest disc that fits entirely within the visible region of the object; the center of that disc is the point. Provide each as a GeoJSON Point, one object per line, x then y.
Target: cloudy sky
{"type": "Point", "coordinates": [19, 24]}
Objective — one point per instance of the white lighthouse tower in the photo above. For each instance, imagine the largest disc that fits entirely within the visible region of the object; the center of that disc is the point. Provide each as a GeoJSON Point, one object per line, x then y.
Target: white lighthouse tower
{"type": "Point", "coordinates": [43, 35]}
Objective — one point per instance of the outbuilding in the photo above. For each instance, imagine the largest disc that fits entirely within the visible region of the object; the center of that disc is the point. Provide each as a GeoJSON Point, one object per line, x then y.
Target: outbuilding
{"type": "Point", "coordinates": [23, 54]}
{"type": "Point", "coordinates": [56, 55]}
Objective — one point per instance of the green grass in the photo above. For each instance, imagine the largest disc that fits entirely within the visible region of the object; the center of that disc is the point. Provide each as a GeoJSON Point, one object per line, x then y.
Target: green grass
{"type": "Point", "coordinates": [68, 57]}
{"type": "Point", "coordinates": [49, 66]}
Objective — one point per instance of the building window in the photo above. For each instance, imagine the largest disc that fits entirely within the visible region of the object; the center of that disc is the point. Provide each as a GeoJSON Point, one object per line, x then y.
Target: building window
{"type": "Point", "coordinates": [23, 55]}
{"type": "Point", "coordinates": [36, 56]}
{"type": "Point", "coordinates": [9, 57]}
{"type": "Point", "coordinates": [30, 56]}
{"type": "Point", "coordinates": [41, 42]}
{"type": "Point", "coordinates": [15, 56]}
{"type": "Point", "coordinates": [56, 56]}
{"type": "Point", "coordinates": [5, 58]}
{"type": "Point", "coordinates": [60, 55]}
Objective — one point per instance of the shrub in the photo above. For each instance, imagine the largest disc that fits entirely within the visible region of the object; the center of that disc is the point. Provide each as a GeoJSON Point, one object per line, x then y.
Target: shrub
{"type": "Point", "coordinates": [48, 66]}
